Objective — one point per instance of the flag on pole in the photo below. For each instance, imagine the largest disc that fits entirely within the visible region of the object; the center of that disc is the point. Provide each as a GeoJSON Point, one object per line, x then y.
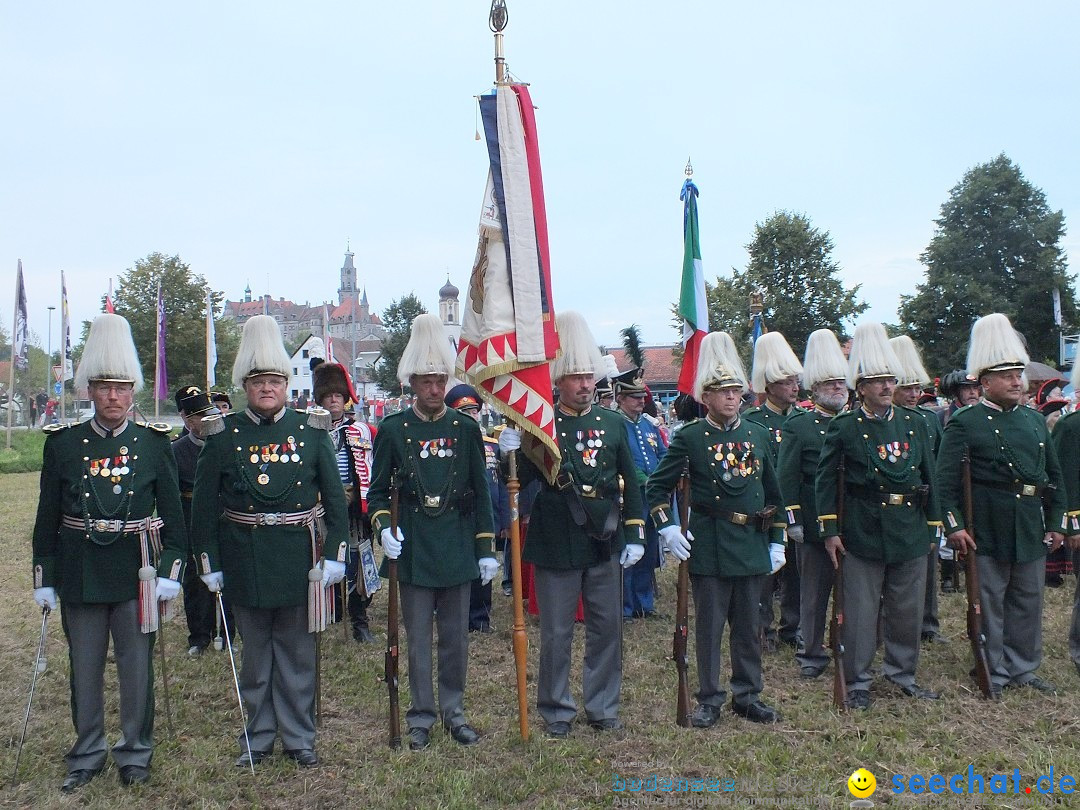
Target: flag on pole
{"type": "Point", "coordinates": [20, 333]}
{"type": "Point", "coordinates": [108, 300]}
{"type": "Point", "coordinates": [508, 335]}
{"type": "Point", "coordinates": [211, 343]}
{"type": "Point", "coordinates": [327, 340]}
{"type": "Point", "coordinates": [161, 380]}
{"type": "Point", "coordinates": [693, 307]}
{"type": "Point", "coordinates": [65, 330]}
{"type": "Point", "coordinates": [757, 327]}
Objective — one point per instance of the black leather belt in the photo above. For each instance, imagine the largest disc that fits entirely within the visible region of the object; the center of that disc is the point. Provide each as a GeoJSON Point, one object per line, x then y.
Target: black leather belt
{"type": "Point", "coordinates": [1014, 488]}
{"type": "Point", "coordinates": [916, 498]}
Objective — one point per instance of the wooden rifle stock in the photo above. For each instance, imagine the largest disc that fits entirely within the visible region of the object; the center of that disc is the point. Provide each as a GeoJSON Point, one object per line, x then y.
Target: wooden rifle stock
{"type": "Point", "coordinates": [682, 618]}
{"type": "Point", "coordinates": [971, 577]}
{"type": "Point", "coordinates": [836, 624]}
{"type": "Point", "coordinates": [391, 661]}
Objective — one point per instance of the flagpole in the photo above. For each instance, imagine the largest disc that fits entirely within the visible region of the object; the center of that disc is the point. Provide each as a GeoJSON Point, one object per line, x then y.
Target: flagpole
{"type": "Point", "coordinates": [497, 21]}
{"type": "Point", "coordinates": [11, 372]}
{"type": "Point", "coordinates": [64, 332]}
{"type": "Point", "coordinates": [157, 354]}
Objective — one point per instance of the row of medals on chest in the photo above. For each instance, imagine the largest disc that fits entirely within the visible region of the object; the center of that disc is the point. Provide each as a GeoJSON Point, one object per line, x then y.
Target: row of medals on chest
{"type": "Point", "coordinates": [588, 444]}
{"type": "Point", "coordinates": [735, 466]}
{"type": "Point", "coordinates": [114, 468]}
{"type": "Point", "coordinates": [273, 454]}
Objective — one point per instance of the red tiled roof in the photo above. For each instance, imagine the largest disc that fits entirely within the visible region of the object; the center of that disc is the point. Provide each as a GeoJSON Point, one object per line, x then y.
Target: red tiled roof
{"type": "Point", "coordinates": [661, 367]}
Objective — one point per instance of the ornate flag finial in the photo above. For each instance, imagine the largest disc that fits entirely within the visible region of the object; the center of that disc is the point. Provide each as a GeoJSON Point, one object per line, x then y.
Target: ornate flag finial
{"type": "Point", "coordinates": [689, 170]}
{"type": "Point", "coordinates": [499, 16]}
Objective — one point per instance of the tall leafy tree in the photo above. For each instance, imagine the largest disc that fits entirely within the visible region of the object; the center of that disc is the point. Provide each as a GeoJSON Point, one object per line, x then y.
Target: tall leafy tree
{"type": "Point", "coordinates": [397, 319]}
{"type": "Point", "coordinates": [996, 249]}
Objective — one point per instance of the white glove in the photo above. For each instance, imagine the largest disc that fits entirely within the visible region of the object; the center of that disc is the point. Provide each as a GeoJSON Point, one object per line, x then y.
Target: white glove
{"type": "Point", "coordinates": [213, 581]}
{"type": "Point", "coordinates": [777, 556]}
{"type": "Point", "coordinates": [392, 545]}
{"type": "Point", "coordinates": [45, 598]}
{"type": "Point", "coordinates": [167, 589]}
{"type": "Point", "coordinates": [676, 542]}
{"type": "Point", "coordinates": [489, 567]}
{"type": "Point", "coordinates": [332, 572]}
{"type": "Point", "coordinates": [795, 533]}
{"type": "Point", "coordinates": [631, 554]}
{"type": "Point", "coordinates": [509, 439]}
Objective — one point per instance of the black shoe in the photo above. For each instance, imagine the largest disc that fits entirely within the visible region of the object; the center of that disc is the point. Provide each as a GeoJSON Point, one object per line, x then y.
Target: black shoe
{"type": "Point", "coordinates": [134, 774]}
{"type": "Point", "coordinates": [934, 637]}
{"type": "Point", "coordinates": [483, 627]}
{"type": "Point", "coordinates": [304, 757]}
{"type": "Point", "coordinates": [362, 635]}
{"type": "Point", "coordinates": [756, 712]}
{"type": "Point", "coordinates": [916, 691]}
{"type": "Point", "coordinates": [419, 738]}
{"type": "Point", "coordinates": [507, 590]}
{"type": "Point", "coordinates": [705, 716]}
{"type": "Point", "coordinates": [76, 779]}
{"type": "Point", "coordinates": [464, 734]}
{"type": "Point", "coordinates": [858, 699]}
{"type": "Point", "coordinates": [1054, 581]}
{"type": "Point", "coordinates": [1038, 684]}
{"type": "Point", "coordinates": [251, 758]}
{"type": "Point", "coordinates": [606, 724]}
{"type": "Point", "coordinates": [558, 730]}
{"type": "Point", "coordinates": [809, 672]}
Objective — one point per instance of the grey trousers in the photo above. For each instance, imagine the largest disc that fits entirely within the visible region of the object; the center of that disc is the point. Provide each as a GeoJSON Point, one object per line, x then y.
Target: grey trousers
{"type": "Point", "coordinates": [422, 609]}
{"type": "Point", "coordinates": [277, 677]}
{"type": "Point", "coordinates": [1012, 599]}
{"type": "Point", "coordinates": [557, 592]}
{"type": "Point", "coordinates": [87, 628]}
{"type": "Point", "coordinates": [734, 601]}
{"type": "Point", "coordinates": [787, 579]}
{"type": "Point", "coordinates": [902, 585]}
{"type": "Point", "coordinates": [816, 580]}
{"type": "Point", "coordinates": [930, 623]}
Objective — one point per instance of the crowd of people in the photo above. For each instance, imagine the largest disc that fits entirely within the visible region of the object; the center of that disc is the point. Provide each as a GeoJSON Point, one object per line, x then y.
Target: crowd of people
{"type": "Point", "coordinates": [270, 519]}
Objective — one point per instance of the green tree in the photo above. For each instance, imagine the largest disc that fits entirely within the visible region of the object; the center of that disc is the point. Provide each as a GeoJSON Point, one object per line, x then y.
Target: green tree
{"type": "Point", "coordinates": [184, 294]}
{"type": "Point", "coordinates": [397, 319]}
{"type": "Point", "coordinates": [996, 249]}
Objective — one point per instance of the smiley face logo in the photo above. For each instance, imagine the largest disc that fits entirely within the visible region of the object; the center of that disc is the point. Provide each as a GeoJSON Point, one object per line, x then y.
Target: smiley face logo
{"type": "Point", "coordinates": [862, 784]}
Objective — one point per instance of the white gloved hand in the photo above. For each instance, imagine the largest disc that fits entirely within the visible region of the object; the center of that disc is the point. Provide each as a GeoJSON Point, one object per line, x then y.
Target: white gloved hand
{"type": "Point", "coordinates": [795, 533]}
{"type": "Point", "coordinates": [213, 581]}
{"type": "Point", "coordinates": [676, 542]}
{"type": "Point", "coordinates": [631, 554]}
{"type": "Point", "coordinates": [332, 572]}
{"type": "Point", "coordinates": [777, 556]}
{"type": "Point", "coordinates": [509, 439]}
{"type": "Point", "coordinates": [392, 545]}
{"type": "Point", "coordinates": [489, 567]}
{"type": "Point", "coordinates": [45, 598]}
{"type": "Point", "coordinates": [167, 589]}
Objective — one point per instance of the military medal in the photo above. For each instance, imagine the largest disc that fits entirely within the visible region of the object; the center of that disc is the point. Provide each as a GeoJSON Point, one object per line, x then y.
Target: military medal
{"type": "Point", "coordinates": [263, 479]}
{"type": "Point", "coordinates": [117, 489]}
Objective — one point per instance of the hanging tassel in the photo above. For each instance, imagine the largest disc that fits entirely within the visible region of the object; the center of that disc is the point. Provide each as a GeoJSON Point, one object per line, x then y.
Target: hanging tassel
{"type": "Point", "coordinates": [148, 603]}
{"type": "Point", "coordinates": [316, 601]}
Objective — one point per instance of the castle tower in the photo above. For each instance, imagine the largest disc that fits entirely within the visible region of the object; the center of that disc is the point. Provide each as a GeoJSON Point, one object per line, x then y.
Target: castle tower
{"type": "Point", "coordinates": [449, 312]}
{"type": "Point", "coordinates": [347, 289]}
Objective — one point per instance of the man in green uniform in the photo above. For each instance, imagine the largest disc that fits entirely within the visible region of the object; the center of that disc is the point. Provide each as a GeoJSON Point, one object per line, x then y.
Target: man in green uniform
{"type": "Point", "coordinates": [578, 538]}
{"type": "Point", "coordinates": [1019, 502]}
{"type": "Point", "coordinates": [825, 376]}
{"type": "Point", "coordinates": [272, 471]}
{"type": "Point", "coordinates": [735, 532]}
{"type": "Point", "coordinates": [434, 456]}
{"type": "Point", "coordinates": [909, 388]}
{"type": "Point", "coordinates": [98, 546]}
{"type": "Point", "coordinates": [1066, 436]}
{"type": "Point", "coordinates": [889, 503]}
{"type": "Point", "coordinates": [775, 376]}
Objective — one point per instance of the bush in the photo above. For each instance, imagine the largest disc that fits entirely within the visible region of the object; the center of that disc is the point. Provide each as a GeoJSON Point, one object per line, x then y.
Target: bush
{"type": "Point", "coordinates": [24, 455]}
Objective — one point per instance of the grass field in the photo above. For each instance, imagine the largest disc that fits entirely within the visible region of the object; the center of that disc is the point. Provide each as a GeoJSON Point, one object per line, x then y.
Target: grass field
{"type": "Point", "coordinates": [802, 762]}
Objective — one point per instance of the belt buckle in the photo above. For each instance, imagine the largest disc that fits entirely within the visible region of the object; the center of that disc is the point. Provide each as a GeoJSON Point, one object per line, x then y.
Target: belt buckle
{"type": "Point", "coordinates": [588, 491]}
{"type": "Point", "coordinates": [1028, 489]}
{"type": "Point", "coordinates": [101, 525]}
{"type": "Point", "coordinates": [432, 501]}
{"type": "Point", "coordinates": [271, 518]}
{"type": "Point", "coordinates": [739, 519]}
{"type": "Point", "coordinates": [895, 499]}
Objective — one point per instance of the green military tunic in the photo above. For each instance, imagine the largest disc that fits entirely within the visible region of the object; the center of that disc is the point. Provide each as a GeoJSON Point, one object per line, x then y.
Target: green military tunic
{"type": "Point", "coordinates": [1014, 469]}
{"type": "Point", "coordinates": [1066, 435]}
{"type": "Point", "coordinates": [732, 472]}
{"type": "Point", "coordinates": [800, 449]}
{"type": "Point", "coordinates": [887, 461]}
{"type": "Point", "coordinates": [773, 421]}
{"type": "Point", "coordinates": [254, 468]}
{"type": "Point", "coordinates": [444, 508]}
{"type": "Point", "coordinates": [933, 424]}
{"type": "Point", "coordinates": [595, 455]}
{"type": "Point", "coordinates": [120, 478]}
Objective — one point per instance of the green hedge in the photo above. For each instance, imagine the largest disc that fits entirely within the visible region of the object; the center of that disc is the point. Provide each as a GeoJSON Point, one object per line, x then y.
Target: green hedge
{"type": "Point", "coordinates": [24, 455]}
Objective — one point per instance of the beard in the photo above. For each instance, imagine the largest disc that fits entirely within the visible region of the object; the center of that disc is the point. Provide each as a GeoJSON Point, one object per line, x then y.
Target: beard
{"type": "Point", "coordinates": [832, 402]}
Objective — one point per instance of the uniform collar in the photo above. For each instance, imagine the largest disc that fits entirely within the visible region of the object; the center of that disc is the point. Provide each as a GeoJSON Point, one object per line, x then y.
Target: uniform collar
{"type": "Point", "coordinates": [571, 412]}
{"type": "Point", "coordinates": [768, 404]}
{"type": "Point", "coordinates": [732, 425]}
{"type": "Point", "coordinates": [195, 440]}
{"type": "Point", "coordinates": [425, 418]}
{"type": "Point", "coordinates": [104, 432]}
{"type": "Point", "coordinates": [887, 417]}
{"type": "Point", "coordinates": [258, 420]}
{"type": "Point", "coordinates": [826, 411]}
{"type": "Point", "coordinates": [995, 407]}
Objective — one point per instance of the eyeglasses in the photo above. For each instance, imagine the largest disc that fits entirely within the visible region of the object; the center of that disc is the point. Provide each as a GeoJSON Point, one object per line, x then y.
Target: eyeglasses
{"type": "Point", "coordinates": [266, 382]}
{"type": "Point", "coordinates": [113, 388]}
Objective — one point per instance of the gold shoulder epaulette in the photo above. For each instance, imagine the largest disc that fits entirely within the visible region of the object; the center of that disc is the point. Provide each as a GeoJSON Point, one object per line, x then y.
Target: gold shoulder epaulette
{"type": "Point", "coordinates": [56, 428]}
{"type": "Point", "coordinates": [163, 428]}
{"type": "Point", "coordinates": [318, 418]}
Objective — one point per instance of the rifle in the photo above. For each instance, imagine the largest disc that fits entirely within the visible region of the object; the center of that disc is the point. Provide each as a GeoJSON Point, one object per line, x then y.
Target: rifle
{"type": "Point", "coordinates": [682, 619]}
{"type": "Point", "coordinates": [391, 661]}
{"type": "Point", "coordinates": [836, 624]}
{"type": "Point", "coordinates": [971, 577]}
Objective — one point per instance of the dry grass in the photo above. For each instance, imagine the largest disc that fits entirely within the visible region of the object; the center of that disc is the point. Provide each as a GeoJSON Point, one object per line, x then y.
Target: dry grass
{"type": "Point", "coordinates": [806, 758]}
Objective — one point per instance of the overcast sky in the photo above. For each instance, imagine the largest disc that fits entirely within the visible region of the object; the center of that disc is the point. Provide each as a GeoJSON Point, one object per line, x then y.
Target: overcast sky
{"type": "Point", "coordinates": [254, 139]}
